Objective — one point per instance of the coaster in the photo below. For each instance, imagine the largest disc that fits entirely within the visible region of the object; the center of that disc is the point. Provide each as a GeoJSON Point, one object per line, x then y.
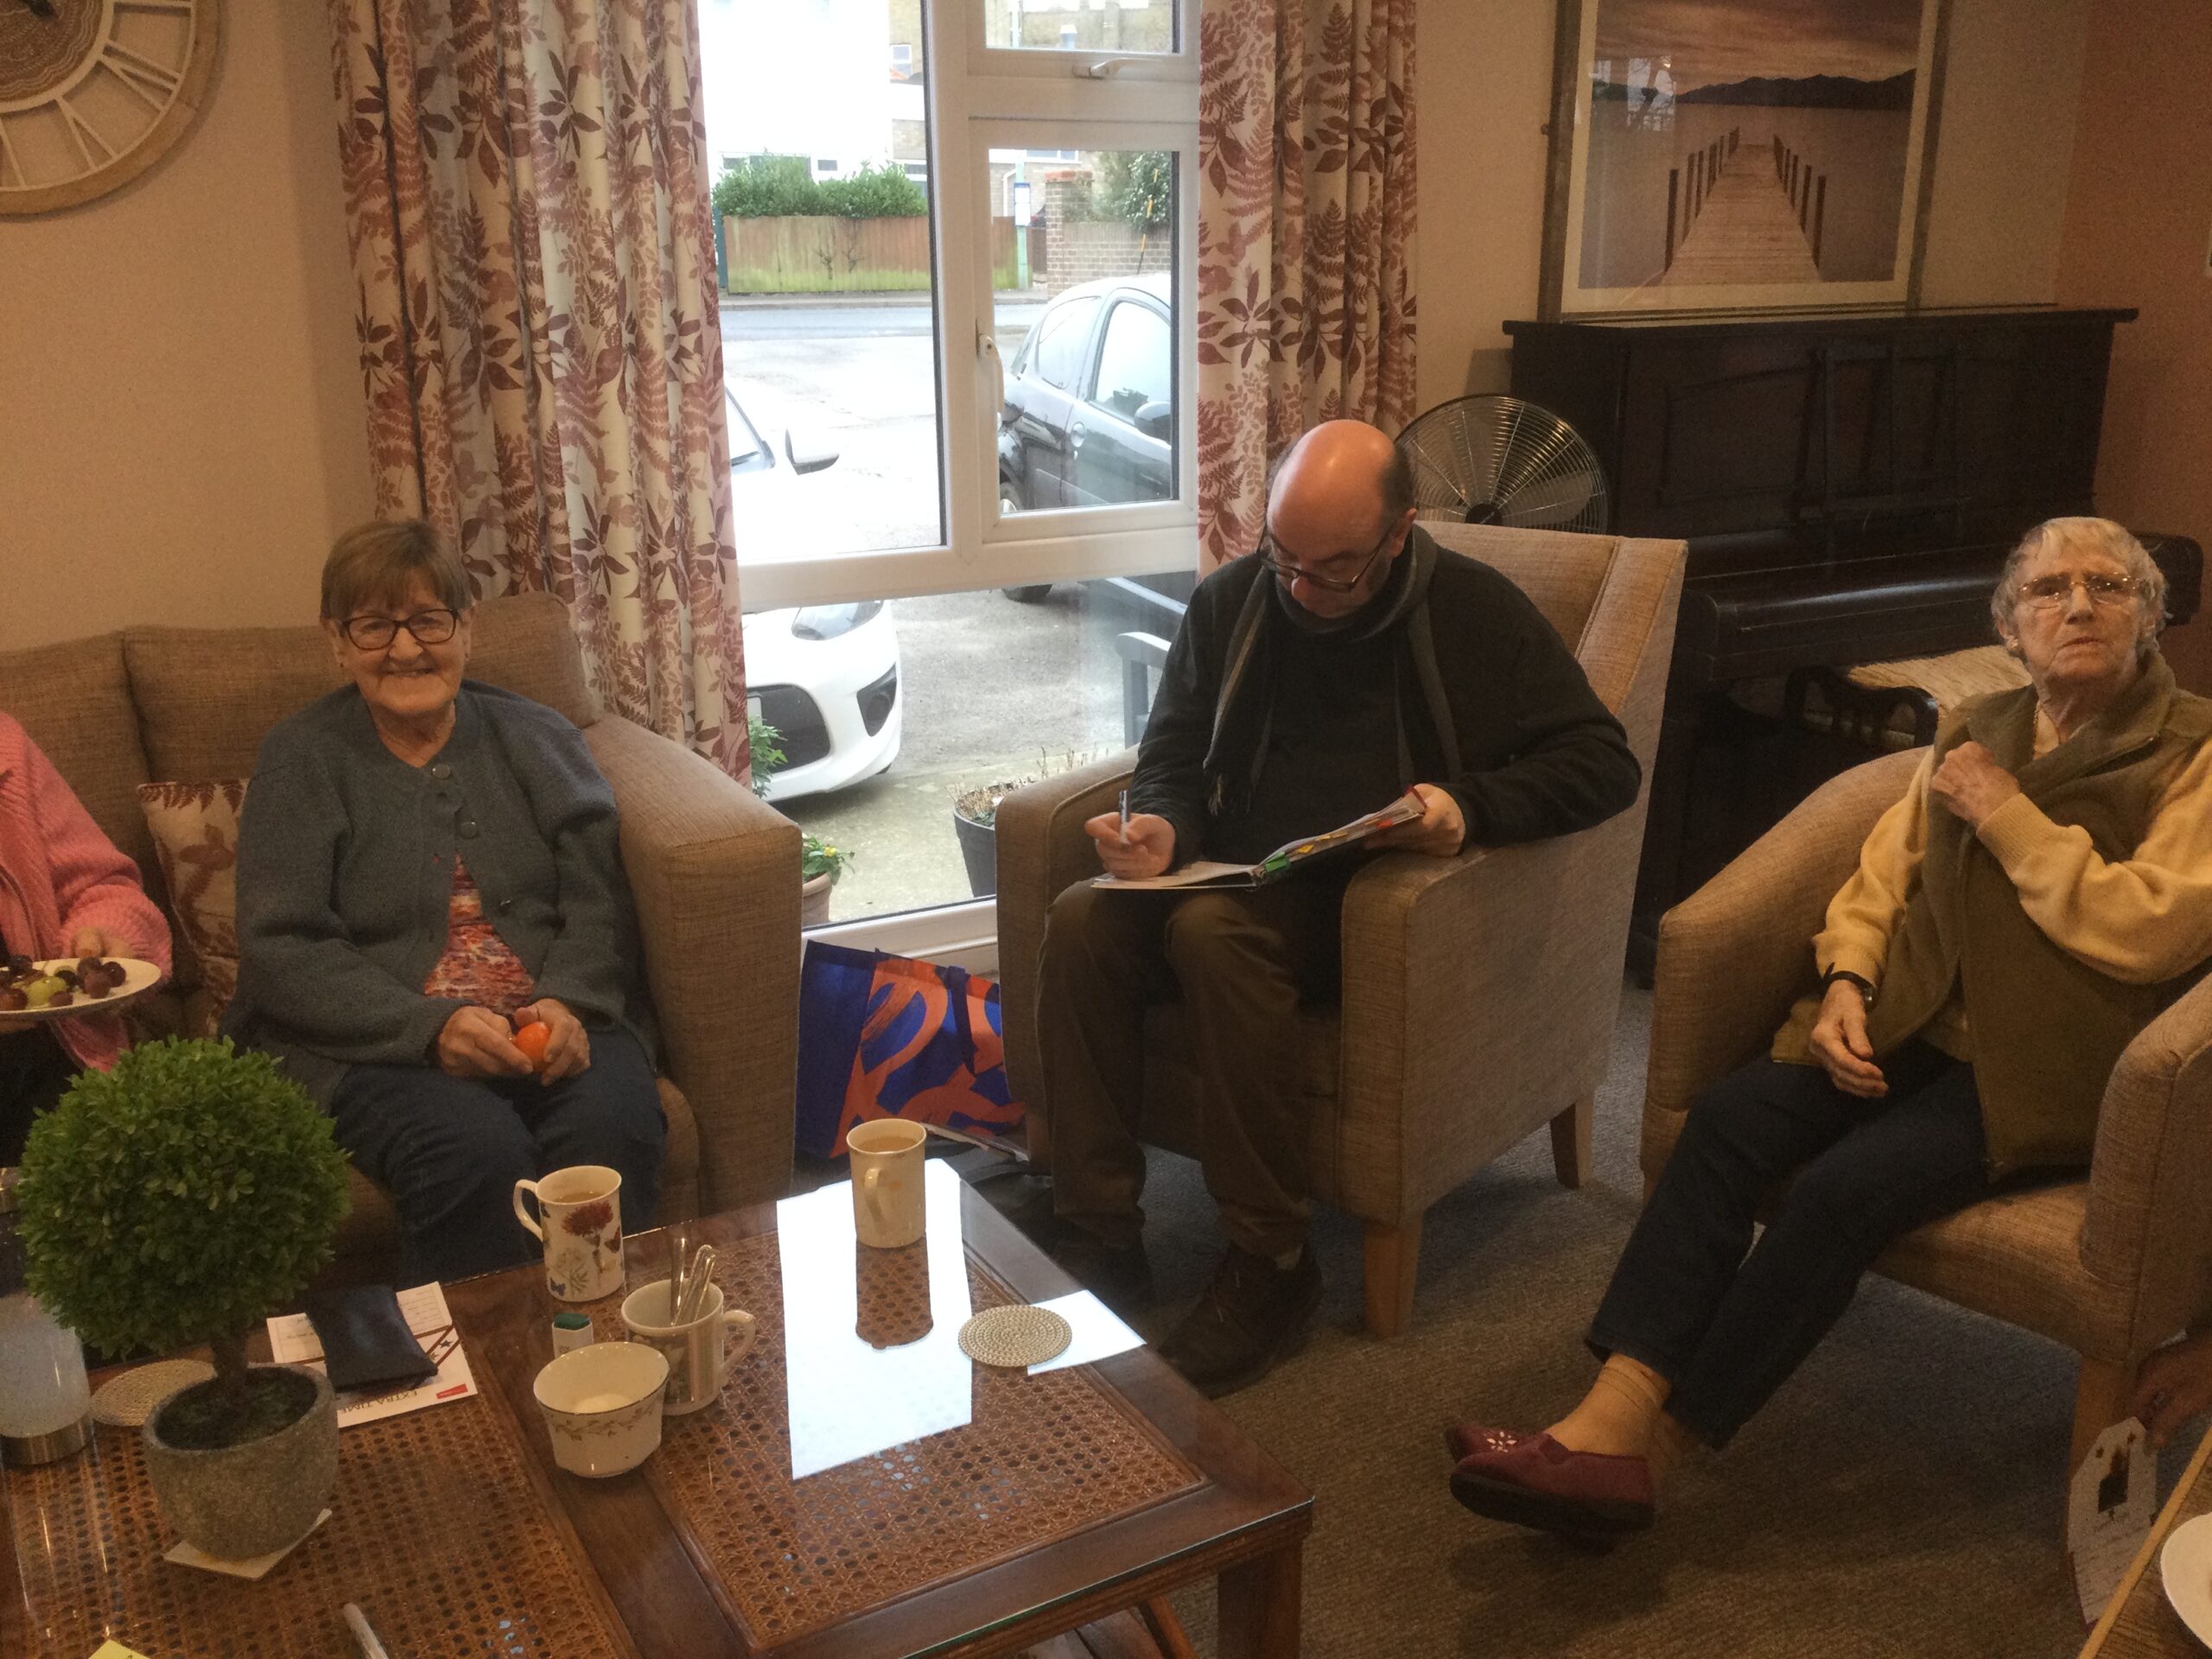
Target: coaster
{"type": "Point", "coordinates": [1016, 1335]}
{"type": "Point", "coordinates": [125, 1402]}
{"type": "Point", "coordinates": [253, 1567]}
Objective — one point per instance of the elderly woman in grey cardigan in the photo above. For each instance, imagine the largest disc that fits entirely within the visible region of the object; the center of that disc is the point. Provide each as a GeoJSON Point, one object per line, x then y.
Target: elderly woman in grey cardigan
{"type": "Point", "coordinates": [427, 870]}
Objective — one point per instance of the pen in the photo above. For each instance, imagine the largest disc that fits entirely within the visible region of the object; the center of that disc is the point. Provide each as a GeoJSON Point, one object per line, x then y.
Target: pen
{"type": "Point", "coordinates": [370, 1646]}
{"type": "Point", "coordinates": [1125, 817]}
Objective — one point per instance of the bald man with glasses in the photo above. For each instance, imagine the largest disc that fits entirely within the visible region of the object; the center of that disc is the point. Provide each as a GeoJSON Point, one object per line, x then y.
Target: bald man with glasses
{"type": "Point", "coordinates": [1351, 660]}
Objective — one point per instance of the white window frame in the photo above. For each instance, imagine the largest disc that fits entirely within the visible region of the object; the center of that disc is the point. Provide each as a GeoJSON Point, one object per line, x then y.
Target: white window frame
{"type": "Point", "coordinates": [980, 99]}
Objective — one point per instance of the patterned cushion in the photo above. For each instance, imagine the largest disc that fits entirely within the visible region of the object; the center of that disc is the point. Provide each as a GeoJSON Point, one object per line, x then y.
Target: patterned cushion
{"type": "Point", "coordinates": [195, 830]}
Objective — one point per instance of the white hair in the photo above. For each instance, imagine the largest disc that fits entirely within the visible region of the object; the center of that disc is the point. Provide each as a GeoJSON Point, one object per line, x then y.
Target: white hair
{"type": "Point", "coordinates": [2092, 536]}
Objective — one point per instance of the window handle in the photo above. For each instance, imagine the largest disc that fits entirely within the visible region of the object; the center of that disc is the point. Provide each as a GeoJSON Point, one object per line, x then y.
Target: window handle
{"type": "Point", "coordinates": [986, 345]}
{"type": "Point", "coordinates": [1104, 68]}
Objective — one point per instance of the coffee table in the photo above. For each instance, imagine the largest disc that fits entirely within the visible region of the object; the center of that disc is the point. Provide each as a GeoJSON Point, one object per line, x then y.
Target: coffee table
{"type": "Point", "coordinates": [1061, 1499]}
{"type": "Point", "coordinates": [2139, 1622]}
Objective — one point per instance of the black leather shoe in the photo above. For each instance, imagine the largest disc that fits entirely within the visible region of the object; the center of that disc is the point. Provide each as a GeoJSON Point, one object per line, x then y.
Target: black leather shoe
{"type": "Point", "coordinates": [1253, 1314]}
{"type": "Point", "coordinates": [1119, 1275]}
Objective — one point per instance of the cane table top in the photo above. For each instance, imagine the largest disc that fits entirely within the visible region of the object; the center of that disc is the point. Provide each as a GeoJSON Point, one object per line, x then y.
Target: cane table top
{"type": "Point", "coordinates": [847, 1494]}
{"type": "Point", "coordinates": [2140, 1622]}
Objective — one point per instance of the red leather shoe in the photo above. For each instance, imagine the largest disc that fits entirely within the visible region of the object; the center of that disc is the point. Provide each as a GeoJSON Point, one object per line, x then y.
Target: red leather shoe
{"type": "Point", "coordinates": [1531, 1480]}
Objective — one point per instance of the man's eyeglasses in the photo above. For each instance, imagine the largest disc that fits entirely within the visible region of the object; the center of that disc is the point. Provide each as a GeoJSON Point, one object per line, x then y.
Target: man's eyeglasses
{"type": "Point", "coordinates": [1288, 572]}
{"type": "Point", "coordinates": [2048, 593]}
{"type": "Point", "coordinates": [375, 633]}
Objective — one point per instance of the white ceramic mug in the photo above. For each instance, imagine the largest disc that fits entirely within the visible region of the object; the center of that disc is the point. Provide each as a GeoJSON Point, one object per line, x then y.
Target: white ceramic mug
{"type": "Point", "coordinates": [581, 1208]}
{"type": "Point", "coordinates": [700, 1351]}
{"type": "Point", "coordinates": [602, 1406]}
{"type": "Point", "coordinates": [888, 1208]}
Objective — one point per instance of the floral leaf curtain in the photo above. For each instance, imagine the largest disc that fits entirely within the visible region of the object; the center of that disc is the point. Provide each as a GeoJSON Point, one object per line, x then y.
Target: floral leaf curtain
{"type": "Point", "coordinates": [1306, 238]}
{"type": "Point", "coordinates": [526, 193]}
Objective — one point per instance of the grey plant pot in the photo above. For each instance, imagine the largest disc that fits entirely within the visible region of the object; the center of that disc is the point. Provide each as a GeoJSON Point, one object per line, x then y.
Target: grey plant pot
{"type": "Point", "coordinates": [247, 1500]}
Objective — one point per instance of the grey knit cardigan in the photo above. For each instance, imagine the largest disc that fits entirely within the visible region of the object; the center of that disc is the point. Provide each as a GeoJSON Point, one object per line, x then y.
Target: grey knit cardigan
{"type": "Point", "coordinates": [345, 877]}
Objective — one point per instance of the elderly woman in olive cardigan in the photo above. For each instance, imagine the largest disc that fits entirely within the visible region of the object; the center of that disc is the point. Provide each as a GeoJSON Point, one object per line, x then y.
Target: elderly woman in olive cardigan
{"type": "Point", "coordinates": [2042, 890]}
{"type": "Point", "coordinates": [426, 866]}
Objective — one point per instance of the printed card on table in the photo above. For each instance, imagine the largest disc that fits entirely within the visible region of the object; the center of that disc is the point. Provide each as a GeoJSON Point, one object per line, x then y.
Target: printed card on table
{"type": "Point", "coordinates": [292, 1341]}
{"type": "Point", "coordinates": [2109, 1513]}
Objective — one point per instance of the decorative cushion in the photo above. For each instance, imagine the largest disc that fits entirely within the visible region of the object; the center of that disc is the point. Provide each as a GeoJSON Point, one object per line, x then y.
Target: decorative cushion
{"type": "Point", "coordinates": [195, 830]}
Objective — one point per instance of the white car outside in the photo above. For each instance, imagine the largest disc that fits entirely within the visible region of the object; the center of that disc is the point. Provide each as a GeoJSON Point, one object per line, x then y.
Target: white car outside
{"type": "Point", "coordinates": [826, 677]}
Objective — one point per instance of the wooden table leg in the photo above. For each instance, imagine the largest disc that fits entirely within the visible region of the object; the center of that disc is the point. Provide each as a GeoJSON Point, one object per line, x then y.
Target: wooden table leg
{"type": "Point", "coordinates": [1259, 1608]}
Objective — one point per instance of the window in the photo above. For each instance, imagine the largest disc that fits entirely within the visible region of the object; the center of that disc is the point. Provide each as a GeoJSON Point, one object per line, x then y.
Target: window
{"type": "Point", "coordinates": [1136, 363]}
{"type": "Point", "coordinates": [1063, 343]}
{"type": "Point", "coordinates": [962, 451]}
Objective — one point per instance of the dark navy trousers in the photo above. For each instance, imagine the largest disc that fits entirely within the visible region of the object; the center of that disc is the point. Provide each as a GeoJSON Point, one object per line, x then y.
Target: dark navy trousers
{"type": "Point", "coordinates": [449, 1150]}
{"type": "Point", "coordinates": [1726, 1320]}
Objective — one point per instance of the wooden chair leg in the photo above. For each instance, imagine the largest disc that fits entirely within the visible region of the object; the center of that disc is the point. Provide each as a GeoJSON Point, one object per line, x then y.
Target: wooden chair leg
{"type": "Point", "coordinates": [1393, 1256]}
{"type": "Point", "coordinates": [1570, 1141]}
{"type": "Point", "coordinates": [2100, 1397]}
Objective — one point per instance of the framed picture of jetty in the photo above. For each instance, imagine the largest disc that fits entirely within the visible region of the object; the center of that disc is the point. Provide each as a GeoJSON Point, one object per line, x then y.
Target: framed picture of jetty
{"type": "Point", "coordinates": [1739, 154]}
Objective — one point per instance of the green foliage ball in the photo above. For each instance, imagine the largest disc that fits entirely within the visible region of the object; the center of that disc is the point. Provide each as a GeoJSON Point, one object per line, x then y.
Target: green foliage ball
{"type": "Point", "coordinates": [180, 1199]}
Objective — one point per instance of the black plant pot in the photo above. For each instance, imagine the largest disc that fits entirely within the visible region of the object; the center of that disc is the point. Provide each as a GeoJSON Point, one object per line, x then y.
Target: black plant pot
{"type": "Point", "coordinates": [979, 851]}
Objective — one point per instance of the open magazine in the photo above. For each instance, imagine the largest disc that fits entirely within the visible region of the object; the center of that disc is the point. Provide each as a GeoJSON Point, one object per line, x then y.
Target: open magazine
{"type": "Point", "coordinates": [1287, 858]}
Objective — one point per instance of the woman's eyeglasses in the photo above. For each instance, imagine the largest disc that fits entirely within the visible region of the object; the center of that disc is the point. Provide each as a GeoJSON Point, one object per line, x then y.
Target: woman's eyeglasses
{"type": "Point", "coordinates": [1288, 572]}
{"type": "Point", "coordinates": [375, 633]}
{"type": "Point", "coordinates": [2047, 592]}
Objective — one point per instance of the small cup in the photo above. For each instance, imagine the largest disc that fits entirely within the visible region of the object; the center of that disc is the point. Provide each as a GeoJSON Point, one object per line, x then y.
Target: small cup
{"type": "Point", "coordinates": [581, 1207]}
{"type": "Point", "coordinates": [889, 1210]}
{"type": "Point", "coordinates": [892, 1294]}
{"type": "Point", "coordinates": [602, 1406]}
{"type": "Point", "coordinates": [699, 1352]}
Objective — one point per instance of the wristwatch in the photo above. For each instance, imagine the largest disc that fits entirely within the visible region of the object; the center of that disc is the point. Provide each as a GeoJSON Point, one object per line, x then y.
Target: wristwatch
{"type": "Point", "coordinates": [1865, 985]}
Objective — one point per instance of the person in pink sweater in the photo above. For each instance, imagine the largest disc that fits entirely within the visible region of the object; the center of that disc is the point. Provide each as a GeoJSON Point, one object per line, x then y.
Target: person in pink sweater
{"type": "Point", "coordinates": [65, 891]}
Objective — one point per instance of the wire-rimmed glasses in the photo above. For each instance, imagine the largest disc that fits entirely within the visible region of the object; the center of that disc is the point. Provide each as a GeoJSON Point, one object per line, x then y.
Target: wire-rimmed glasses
{"type": "Point", "coordinates": [1288, 572]}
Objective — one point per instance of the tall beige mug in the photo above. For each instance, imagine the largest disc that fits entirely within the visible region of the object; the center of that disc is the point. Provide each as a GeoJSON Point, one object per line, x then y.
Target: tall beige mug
{"type": "Point", "coordinates": [888, 1208]}
{"type": "Point", "coordinates": [581, 1208]}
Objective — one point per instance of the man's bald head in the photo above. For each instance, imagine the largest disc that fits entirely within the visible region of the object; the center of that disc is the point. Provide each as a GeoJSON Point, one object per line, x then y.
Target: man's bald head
{"type": "Point", "coordinates": [1342, 490]}
{"type": "Point", "coordinates": [1341, 465]}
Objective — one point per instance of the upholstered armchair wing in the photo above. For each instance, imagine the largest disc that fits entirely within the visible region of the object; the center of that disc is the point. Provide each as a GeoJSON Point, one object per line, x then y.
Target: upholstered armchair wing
{"type": "Point", "coordinates": [714, 872]}
{"type": "Point", "coordinates": [2110, 1265]}
{"type": "Point", "coordinates": [1479, 992]}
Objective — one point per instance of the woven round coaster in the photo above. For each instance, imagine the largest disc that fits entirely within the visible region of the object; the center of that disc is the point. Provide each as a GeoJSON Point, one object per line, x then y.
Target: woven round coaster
{"type": "Point", "coordinates": [1016, 1335]}
{"type": "Point", "coordinates": [124, 1401]}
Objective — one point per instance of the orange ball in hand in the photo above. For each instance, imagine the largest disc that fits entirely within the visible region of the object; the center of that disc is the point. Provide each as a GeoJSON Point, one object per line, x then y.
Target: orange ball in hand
{"type": "Point", "coordinates": [531, 1039]}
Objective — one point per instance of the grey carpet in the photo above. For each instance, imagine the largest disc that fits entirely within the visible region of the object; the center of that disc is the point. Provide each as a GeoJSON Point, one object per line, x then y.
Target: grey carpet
{"type": "Point", "coordinates": [1901, 1495]}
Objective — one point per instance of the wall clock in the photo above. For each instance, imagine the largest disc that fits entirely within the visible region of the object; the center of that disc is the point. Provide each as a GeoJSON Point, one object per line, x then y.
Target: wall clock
{"type": "Point", "coordinates": [93, 92]}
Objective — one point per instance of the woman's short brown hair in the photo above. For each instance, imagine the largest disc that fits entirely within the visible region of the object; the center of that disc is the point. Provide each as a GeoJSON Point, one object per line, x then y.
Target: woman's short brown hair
{"type": "Point", "coordinates": [379, 562]}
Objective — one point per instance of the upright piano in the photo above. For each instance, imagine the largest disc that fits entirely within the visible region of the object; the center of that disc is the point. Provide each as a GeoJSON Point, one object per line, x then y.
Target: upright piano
{"type": "Point", "coordinates": [1848, 486]}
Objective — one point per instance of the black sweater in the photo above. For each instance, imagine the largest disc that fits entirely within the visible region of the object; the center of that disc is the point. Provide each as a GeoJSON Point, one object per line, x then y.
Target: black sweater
{"type": "Point", "coordinates": [1539, 755]}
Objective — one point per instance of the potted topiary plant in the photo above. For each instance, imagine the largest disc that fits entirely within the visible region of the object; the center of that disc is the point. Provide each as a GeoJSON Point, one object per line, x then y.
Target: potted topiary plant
{"type": "Point", "coordinates": [182, 1198]}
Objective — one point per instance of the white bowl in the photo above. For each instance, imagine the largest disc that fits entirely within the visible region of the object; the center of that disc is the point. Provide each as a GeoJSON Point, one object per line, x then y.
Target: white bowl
{"type": "Point", "coordinates": [2185, 1570]}
{"type": "Point", "coordinates": [602, 1406]}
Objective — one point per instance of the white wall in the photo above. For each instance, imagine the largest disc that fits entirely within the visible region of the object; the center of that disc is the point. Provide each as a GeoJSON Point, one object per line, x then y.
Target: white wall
{"type": "Point", "coordinates": [181, 423]}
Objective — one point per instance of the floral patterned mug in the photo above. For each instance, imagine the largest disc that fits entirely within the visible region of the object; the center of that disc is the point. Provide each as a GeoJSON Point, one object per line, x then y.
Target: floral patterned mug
{"type": "Point", "coordinates": [581, 1208]}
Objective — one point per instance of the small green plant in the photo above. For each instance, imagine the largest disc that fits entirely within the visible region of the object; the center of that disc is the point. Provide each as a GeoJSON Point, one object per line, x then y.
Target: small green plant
{"type": "Point", "coordinates": [819, 857]}
{"type": "Point", "coordinates": [180, 1198]}
{"type": "Point", "coordinates": [767, 744]}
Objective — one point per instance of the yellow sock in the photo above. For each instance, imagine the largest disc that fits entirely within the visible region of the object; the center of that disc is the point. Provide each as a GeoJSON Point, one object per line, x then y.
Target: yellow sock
{"type": "Point", "coordinates": [1617, 1417]}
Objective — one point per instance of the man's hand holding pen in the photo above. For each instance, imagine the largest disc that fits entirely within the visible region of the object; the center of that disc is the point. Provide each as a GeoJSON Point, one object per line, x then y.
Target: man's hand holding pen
{"type": "Point", "coordinates": [1132, 846]}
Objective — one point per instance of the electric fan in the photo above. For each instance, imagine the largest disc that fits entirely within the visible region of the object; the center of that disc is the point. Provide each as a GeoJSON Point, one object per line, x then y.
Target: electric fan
{"type": "Point", "coordinates": [1492, 460]}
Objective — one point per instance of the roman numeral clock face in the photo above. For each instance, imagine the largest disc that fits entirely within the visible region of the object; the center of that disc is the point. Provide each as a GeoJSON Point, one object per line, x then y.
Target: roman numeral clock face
{"type": "Point", "coordinates": [93, 92]}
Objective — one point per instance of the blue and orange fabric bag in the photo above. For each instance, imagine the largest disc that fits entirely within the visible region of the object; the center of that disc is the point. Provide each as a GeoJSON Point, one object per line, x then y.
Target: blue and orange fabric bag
{"type": "Point", "coordinates": [886, 1036]}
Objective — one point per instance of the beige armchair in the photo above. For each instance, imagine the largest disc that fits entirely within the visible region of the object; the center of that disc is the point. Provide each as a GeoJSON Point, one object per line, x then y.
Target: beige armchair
{"type": "Point", "coordinates": [714, 872]}
{"type": "Point", "coordinates": [1480, 991]}
{"type": "Point", "coordinates": [2111, 1265]}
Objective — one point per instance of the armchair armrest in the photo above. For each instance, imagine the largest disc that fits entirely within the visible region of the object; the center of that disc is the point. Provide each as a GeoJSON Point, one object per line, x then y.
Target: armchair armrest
{"type": "Point", "coordinates": [1479, 996]}
{"type": "Point", "coordinates": [2147, 1231]}
{"type": "Point", "coordinates": [1735, 954]}
{"type": "Point", "coordinates": [714, 875]}
{"type": "Point", "coordinates": [1041, 848]}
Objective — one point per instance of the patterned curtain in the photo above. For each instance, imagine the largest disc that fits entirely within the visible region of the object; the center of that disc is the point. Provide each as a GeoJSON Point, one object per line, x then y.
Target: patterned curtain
{"type": "Point", "coordinates": [1306, 238]}
{"type": "Point", "coordinates": [527, 190]}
